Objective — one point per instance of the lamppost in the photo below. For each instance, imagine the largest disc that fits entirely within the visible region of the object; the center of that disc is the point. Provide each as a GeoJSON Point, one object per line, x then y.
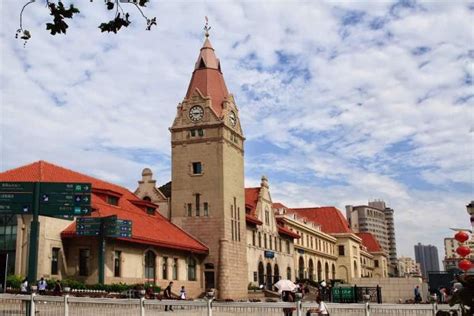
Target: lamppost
{"type": "Point", "coordinates": [470, 211]}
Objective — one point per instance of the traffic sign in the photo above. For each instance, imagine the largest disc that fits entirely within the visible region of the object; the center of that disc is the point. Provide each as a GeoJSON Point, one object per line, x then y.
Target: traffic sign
{"type": "Point", "coordinates": [83, 220]}
{"type": "Point", "coordinates": [51, 210]}
{"type": "Point", "coordinates": [17, 187]}
{"type": "Point", "coordinates": [65, 199]}
{"type": "Point", "coordinates": [16, 198]}
{"type": "Point", "coordinates": [16, 208]}
{"type": "Point", "coordinates": [69, 187]}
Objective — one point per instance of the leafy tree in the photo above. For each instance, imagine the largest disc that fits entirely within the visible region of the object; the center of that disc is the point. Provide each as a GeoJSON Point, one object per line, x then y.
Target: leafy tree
{"type": "Point", "coordinates": [60, 12]}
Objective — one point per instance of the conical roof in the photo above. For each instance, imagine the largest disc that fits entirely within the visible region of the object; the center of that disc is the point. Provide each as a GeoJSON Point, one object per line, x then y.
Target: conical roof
{"type": "Point", "coordinates": [208, 78]}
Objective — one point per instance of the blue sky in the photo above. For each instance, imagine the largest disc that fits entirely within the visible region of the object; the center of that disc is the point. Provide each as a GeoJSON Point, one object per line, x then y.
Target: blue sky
{"type": "Point", "coordinates": [341, 102]}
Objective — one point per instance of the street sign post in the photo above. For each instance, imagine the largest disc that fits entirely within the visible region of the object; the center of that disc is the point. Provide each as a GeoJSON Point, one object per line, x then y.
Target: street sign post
{"type": "Point", "coordinates": [103, 227]}
{"type": "Point", "coordinates": [43, 198]}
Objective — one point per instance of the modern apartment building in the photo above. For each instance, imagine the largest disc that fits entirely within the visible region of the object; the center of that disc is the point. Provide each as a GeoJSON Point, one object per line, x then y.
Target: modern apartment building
{"type": "Point", "coordinates": [427, 257]}
{"type": "Point", "coordinates": [376, 218]}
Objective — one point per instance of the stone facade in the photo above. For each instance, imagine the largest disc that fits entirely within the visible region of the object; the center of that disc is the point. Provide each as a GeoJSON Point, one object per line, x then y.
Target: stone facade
{"type": "Point", "coordinates": [208, 176]}
{"type": "Point", "coordinates": [269, 253]}
{"type": "Point", "coordinates": [395, 290]}
{"type": "Point", "coordinates": [315, 251]}
{"type": "Point", "coordinates": [148, 191]}
{"type": "Point", "coordinates": [348, 257]}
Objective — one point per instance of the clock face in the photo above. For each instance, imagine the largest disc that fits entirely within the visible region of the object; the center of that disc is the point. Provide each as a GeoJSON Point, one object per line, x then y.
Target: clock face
{"type": "Point", "coordinates": [196, 113]}
{"type": "Point", "coordinates": [232, 118]}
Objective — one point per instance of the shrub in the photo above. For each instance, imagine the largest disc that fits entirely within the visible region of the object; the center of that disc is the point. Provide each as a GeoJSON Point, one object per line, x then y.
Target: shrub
{"type": "Point", "coordinates": [14, 281]}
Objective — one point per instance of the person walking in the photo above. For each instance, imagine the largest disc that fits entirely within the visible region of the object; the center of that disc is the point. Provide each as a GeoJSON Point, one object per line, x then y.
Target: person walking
{"type": "Point", "coordinates": [417, 294]}
{"type": "Point", "coordinates": [24, 286]}
{"type": "Point", "coordinates": [288, 296]}
{"type": "Point", "coordinates": [42, 284]}
{"type": "Point", "coordinates": [167, 294]}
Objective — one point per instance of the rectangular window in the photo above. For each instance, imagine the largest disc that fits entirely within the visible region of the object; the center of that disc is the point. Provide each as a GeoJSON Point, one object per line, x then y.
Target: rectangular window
{"type": "Point", "coordinates": [259, 239]}
{"type": "Point", "coordinates": [206, 209]}
{"type": "Point", "coordinates": [84, 255]}
{"type": "Point", "coordinates": [341, 250]}
{"type": "Point", "coordinates": [265, 241]}
{"type": "Point", "coordinates": [253, 238]}
{"type": "Point", "coordinates": [112, 200]}
{"type": "Point", "coordinates": [193, 132]}
{"type": "Point", "coordinates": [279, 241]}
{"type": "Point", "coordinates": [190, 209]}
{"type": "Point", "coordinates": [55, 261]}
{"type": "Point", "coordinates": [376, 263]}
{"type": "Point", "coordinates": [271, 242]}
{"type": "Point", "coordinates": [117, 263]}
{"type": "Point", "coordinates": [175, 268]}
{"type": "Point", "coordinates": [201, 132]}
{"type": "Point", "coordinates": [197, 168]}
{"type": "Point", "coordinates": [288, 250]}
{"type": "Point", "coordinates": [165, 268]}
{"type": "Point", "coordinates": [198, 202]}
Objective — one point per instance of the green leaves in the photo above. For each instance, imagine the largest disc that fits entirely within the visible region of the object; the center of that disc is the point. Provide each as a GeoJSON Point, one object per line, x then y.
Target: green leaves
{"type": "Point", "coordinates": [115, 24]}
{"type": "Point", "coordinates": [59, 13]}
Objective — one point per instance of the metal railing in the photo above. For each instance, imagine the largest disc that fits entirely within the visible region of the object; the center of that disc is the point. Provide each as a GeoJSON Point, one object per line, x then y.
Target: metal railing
{"type": "Point", "coordinates": [33, 304]}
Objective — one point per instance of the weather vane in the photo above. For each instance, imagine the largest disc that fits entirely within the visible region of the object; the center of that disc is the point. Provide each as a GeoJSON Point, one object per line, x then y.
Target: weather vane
{"type": "Point", "coordinates": [207, 27]}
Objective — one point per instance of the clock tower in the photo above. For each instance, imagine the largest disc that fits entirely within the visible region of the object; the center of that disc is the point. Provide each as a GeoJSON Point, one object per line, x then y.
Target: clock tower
{"type": "Point", "coordinates": [207, 200]}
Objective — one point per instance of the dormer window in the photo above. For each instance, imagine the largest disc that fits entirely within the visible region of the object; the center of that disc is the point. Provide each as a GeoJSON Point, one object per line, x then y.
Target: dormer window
{"type": "Point", "coordinates": [112, 200]}
{"type": "Point", "coordinates": [150, 211]}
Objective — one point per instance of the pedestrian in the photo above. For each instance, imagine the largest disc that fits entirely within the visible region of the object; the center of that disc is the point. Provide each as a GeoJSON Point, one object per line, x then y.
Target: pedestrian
{"type": "Point", "coordinates": [42, 284]}
{"type": "Point", "coordinates": [288, 296]}
{"type": "Point", "coordinates": [57, 288]}
{"type": "Point", "coordinates": [321, 310]}
{"type": "Point", "coordinates": [167, 294]}
{"type": "Point", "coordinates": [417, 294]}
{"type": "Point", "coordinates": [24, 286]}
{"type": "Point", "coordinates": [182, 293]}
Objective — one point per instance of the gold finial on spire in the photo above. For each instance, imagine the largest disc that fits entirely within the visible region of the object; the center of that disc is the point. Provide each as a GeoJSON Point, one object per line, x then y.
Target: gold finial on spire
{"type": "Point", "coordinates": [207, 27]}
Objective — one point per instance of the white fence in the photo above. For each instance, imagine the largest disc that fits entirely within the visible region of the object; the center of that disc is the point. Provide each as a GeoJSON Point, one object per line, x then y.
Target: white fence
{"type": "Point", "coordinates": [81, 306]}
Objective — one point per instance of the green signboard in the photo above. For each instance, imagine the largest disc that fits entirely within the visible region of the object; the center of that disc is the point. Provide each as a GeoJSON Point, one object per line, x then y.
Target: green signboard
{"type": "Point", "coordinates": [57, 187]}
{"type": "Point", "coordinates": [25, 187]}
{"type": "Point", "coordinates": [16, 209]}
{"type": "Point", "coordinates": [64, 210]}
{"type": "Point", "coordinates": [343, 294]}
{"type": "Point", "coordinates": [16, 197]}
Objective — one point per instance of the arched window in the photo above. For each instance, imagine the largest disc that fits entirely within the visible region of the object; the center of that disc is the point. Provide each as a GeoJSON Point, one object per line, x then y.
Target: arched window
{"type": "Point", "coordinates": [288, 273]}
{"type": "Point", "coordinates": [311, 269]}
{"type": "Point", "coordinates": [150, 265]}
{"type": "Point", "coordinates": [267, 217]}
{"type": "Point", "coordinates": [301, 268]}
{"type": "Point", "coordinates": [261, 274]}
{"type": "Point", "coordinates": [276, 274]}
{"type": "Point", "coordinates": [147, 198]}
{"type": "Point", "coordinates": [320, 270]}
{"type": "Point", "coordinates": [191, 269]}
{"type": "Point", "coordinates": [326, 270]}
{"type": "Point", "coordinates": [269, 277]}
{"type": "Point", "coordinates": [333, 271]}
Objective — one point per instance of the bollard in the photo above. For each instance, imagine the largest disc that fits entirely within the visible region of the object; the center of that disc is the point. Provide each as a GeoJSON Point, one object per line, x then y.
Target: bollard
{"type": "Point", "coordinates": [32, 304]}
{"type": "Point", "coordinates": [435, 308]}
{"type": "Point", "coordinates": [299, 308]}
{"type": "Point", "coordinates": [209, 307]}
{"type": "Point", "coordinates": [367, 309]}
{"type": "Point", "coordinates": [66, 305]}
{"type": "Point", "coordinates": [142, 306]}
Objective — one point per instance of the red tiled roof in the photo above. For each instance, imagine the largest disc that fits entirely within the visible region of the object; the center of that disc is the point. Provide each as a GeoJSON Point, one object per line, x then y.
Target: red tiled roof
{"type": "Point", "coordinates": [278, 205]}
{"type": "Point", "coordinates": [251, 200]}
{"type": "Point", "coordinates": [369, 241]}
{"type": "Point", "coordinates": [330, 218]}
{"type": "Point", "coordinates": [146, 229]}
{"type": "Point", "coordinates": [208, 78]}
{"type": "Point", "coordinates": [285, 231]}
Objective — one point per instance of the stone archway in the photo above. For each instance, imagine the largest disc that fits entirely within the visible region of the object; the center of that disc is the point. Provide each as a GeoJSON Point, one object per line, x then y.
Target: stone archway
{"type": "Point", "coordinates": [301, 268]}
{"type": "Point", "coordinates": [320, 271]}
{"type": "Point", "coordinates": [276, 273]}
{"type": "Point", "coordinates": [268, 282]}
{"type": "Point", "coordinates": [261, 273]}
